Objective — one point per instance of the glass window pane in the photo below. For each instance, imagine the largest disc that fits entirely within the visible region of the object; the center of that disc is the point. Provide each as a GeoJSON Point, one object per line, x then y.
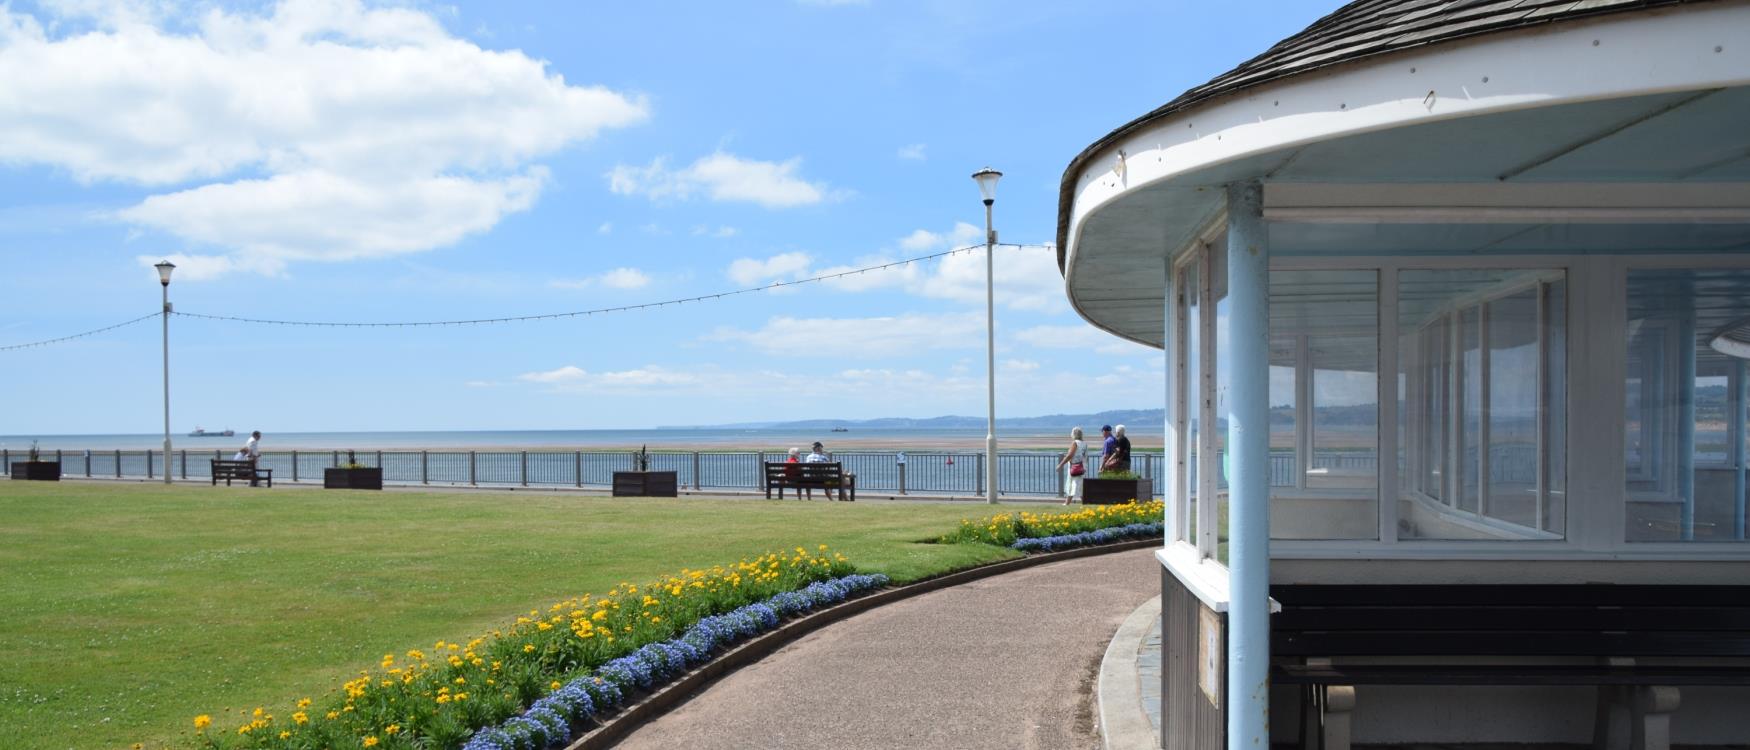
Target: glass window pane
{"type": "Point", "coordinates": [1217, 464]}
{"type": "Point", "coordinates": [1685, 406]}
{"type": "Point", "coordinates": [1514, 362]}
{"type": "Point", "coordinates": [1482, 402]}
{"type": "Point", "coordinates": [1325, 404]}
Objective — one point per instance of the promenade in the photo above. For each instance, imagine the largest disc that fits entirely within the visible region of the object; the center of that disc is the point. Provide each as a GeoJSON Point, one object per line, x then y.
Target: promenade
{"type": "Point", "coordinates": [1003, 662]}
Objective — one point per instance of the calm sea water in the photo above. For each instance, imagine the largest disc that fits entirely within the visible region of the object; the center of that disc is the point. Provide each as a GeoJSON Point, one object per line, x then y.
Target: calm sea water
{"type": "Point", "coordinates": [658, 440]}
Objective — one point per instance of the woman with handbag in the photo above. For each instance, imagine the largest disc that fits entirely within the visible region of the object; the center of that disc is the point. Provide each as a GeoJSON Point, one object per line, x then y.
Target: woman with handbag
{"type": "Point", "coordinates": [1075, 465]}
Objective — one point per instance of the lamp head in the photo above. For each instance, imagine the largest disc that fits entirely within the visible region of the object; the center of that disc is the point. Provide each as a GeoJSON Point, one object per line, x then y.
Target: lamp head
{"type": "Point", "coordinates": [987, 183]}
{"type": "Point", "coordinates": [164, 268]}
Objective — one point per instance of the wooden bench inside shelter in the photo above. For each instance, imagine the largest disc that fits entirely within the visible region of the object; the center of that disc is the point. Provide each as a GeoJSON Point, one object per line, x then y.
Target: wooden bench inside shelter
{"type": "Point", "coordinates": [1638, 644]}
{"type": "Point", "coordinates": [828, 476]}
{"type": "Point", "coordinates": [244, 470]}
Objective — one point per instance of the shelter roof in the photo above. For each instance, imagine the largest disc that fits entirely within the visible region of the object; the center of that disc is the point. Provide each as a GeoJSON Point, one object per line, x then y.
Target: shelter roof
{"type": "Point", "coordinates": [1361, 29]}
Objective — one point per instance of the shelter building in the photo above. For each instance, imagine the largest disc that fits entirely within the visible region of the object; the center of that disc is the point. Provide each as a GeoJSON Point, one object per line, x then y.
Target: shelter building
{"type": "Point", "coordinates": [1451, 292]}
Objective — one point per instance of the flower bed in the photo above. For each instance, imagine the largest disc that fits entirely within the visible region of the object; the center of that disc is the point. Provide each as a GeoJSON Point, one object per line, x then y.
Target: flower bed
{"type": "Point", "coordinates": [1005, 529]}
{"type": "Point", "coordinates": [599, 647]}
{"type": "Point", "coordinates": [549, 722]}
{"type": "Point", "coordinates": [1085, 538]}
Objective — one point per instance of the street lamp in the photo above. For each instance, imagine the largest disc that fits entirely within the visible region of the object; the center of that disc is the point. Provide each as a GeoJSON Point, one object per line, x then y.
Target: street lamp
{"type": "Point", "coordinates": [987, 187]}
{"type": "Point", "coordinates": [164, 268]}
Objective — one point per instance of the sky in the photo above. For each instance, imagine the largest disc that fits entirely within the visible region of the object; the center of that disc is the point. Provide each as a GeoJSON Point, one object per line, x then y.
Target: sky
{"type": "Point", "coordinates": [336, 160]}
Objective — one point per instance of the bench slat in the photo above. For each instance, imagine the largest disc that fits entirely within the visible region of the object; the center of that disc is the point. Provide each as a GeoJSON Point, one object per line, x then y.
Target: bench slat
{"type": "Point", "coordinates": [1374, 618]}
{"type": "Point", "coordinates": [1463, 595]}
{"type": "Point", "coordinates": [1510, 643]}
{"type": "Point", "coordinates": [1506, 674]}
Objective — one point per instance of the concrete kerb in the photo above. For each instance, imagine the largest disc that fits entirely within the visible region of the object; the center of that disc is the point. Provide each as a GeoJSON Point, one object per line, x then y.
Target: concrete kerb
{"type": "Point", "coordinates": [681, 690]}
{"type": "Point", "coordinates": [1123, 724]}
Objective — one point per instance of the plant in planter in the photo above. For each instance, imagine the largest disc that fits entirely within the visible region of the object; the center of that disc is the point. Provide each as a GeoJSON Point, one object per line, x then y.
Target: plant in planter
{"type": "Point", "coordinates": [1116, 487]}
{"type": "Point", "coordinates": [352, 475]}
{"type": "Point", "coordinates": [642, 482]}
{"type": "Point", "coordinates": [35, 468]}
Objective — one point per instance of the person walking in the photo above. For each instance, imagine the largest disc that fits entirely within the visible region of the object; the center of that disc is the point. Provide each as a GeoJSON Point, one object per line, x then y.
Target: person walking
{"type": "Point", "coordinates": [1075, 465]}
{"type": "Point", "coordinates": [1119, 461]}
{"type": "Point", "coordinates": [251, 452]}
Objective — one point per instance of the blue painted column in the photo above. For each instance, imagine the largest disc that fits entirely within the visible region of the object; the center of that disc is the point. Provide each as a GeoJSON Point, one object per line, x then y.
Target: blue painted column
{"type": "Point", "coordinates": [1248, 440]}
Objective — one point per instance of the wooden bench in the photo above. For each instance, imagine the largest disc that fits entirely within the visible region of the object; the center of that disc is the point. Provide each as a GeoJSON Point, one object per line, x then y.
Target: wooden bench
{"type": "Point", "coordinates": [805, 476]}
{"type": "Point", "coordinates": [229, 470]}
{"type": "Point", "coordinates": [1533, 634]}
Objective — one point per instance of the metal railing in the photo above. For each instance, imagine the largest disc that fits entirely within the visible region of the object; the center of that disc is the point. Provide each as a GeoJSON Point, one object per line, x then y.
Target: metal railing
{"type": "Point", "coordinates": [943, 473]}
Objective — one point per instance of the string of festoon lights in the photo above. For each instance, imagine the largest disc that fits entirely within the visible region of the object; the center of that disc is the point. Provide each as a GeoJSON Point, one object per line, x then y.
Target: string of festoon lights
{"type": "Point", "coordinates": [545, 316]}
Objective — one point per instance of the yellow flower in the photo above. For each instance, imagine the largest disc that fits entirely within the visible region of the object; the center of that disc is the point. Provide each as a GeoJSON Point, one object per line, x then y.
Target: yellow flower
{"type": "Point", "coordinates": [285, 735]}
{"type": "Point", "coordinates": [528, 647]}
{"type": "Point", "coordinates": [371, 742]}
{"type": "Point", "coordinates": [303, 703]}
{"type": "Point", "coordinates": [554, 685]}
{"type": "Point", "coordinates": [392, 729]}
{"type": "Point", "coordinates": [203, 721]}
{"type": "Point", "coordinates": [300, 718]}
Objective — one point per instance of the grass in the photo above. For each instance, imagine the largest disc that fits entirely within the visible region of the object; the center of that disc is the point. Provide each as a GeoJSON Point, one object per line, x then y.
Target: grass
{"type": "Point", "coordinates": [128, 609]}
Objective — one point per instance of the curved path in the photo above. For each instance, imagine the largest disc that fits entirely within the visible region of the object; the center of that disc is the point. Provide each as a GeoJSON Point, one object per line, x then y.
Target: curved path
{"type": "Point", "coordinates": [1003, 662]}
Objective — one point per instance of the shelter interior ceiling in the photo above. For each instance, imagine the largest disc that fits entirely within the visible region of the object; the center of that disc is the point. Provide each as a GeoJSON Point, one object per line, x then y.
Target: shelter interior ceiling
{"type": "Point", "coordinates": [1697, 136]}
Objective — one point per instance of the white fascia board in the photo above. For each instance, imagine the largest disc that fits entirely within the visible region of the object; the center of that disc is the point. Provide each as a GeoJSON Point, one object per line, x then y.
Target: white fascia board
{"type": "Point", "coordinates": [1204, 577]}
{"type": "Point", "coordinates": [1509, 203]}
{"type": "Point", "coordinates": [1615, 56]}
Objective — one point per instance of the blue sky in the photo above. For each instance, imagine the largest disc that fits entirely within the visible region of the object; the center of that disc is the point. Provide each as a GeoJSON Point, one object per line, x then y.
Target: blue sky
{"type": "Point", "coordinates": [345, 161]}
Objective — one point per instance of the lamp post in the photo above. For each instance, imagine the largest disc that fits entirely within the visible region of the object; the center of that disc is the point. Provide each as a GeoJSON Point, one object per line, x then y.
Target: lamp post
{"type": "Point", "coordinates": [987, 187]}
{"type": "Point", "coordinates": [164, 268]}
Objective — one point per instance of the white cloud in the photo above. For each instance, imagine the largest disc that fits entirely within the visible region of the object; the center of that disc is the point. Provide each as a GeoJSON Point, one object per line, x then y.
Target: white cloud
{"type": "Point", "coordinates": [876, 337]}
{"type": "Point", "coordinates": [209, 267]}
{"type": "Point", "coordinates": [318, 215]}
{"type": "Point", "coordinates": [619, 278]}
{"type": "Point", "coordinates": [721, 232]}
{"type": "Point", "coordinates": [781, 267]}
{"type": "Point", "coordinates": [571, 378]}
{"type": "Point", "coordinates": [266, 111]}
{"type": "Point", "coordinates": [723, 177]}
{"type": "Point", "coordinates": [607, 227]}
{"type": "Point", "coordinates": [1026, 278]}
{"type": "Point", "coordinates": [1080, 337]}
{"type": "Point", "coordinates": [913, 152]}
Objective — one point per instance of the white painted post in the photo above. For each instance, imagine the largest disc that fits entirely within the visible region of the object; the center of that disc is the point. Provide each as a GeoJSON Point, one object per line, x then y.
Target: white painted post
{"type": "Point", "coordinates": [1248, 440]}
{"type": "Point", "coordinates": [1169, 477]}
{"type": "Point", "coordinates": [1736, 403]}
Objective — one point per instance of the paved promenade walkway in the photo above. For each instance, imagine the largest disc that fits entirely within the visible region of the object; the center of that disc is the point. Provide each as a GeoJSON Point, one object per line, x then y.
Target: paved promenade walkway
{"type": "Point", "coordinates": [1004, 662]}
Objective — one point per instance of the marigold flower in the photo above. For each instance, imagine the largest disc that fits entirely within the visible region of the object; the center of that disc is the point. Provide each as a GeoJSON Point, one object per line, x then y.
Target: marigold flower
{"type": "Point", "coordinates": [203, 721]}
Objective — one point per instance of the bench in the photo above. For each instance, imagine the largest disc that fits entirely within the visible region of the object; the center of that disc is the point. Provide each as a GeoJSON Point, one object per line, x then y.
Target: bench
{"type": "Point", "coordinates": [229, 470]}
{"type": "Point", "coordinates": [806, 476]}
{"type": "Point", "coordinates": [1491, 635]}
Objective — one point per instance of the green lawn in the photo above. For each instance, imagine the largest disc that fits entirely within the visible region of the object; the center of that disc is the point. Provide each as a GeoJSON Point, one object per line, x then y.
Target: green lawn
{"type": "Point", "coordinates": [127, 609]}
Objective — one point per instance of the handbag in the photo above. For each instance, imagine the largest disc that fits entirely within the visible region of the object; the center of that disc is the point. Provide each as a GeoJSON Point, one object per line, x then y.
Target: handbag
{"type": "Point", "coordinates": [1077, 469]}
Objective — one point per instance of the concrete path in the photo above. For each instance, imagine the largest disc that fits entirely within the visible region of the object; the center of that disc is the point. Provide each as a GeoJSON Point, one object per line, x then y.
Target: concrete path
{"type": "Point", "coordinates": [1005, 662]}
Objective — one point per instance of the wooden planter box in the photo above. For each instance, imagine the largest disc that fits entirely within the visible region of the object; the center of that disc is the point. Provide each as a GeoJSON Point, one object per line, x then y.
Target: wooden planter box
{"type": "Point", "coordinates": [352, 479]}
{"type": "Point", "coordinates": [1116, 491]}
{"type": "Point", "coordinates": [646, 484]}
{"type": "Point", "coordinates": [41, 471]}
